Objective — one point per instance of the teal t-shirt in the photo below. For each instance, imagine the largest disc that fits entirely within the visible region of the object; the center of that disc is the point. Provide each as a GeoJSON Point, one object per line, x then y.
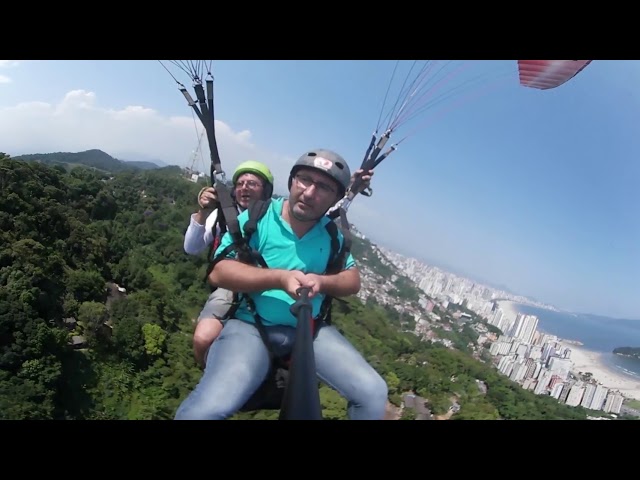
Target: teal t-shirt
{"type": "Point", "coordinates": [281, 248]}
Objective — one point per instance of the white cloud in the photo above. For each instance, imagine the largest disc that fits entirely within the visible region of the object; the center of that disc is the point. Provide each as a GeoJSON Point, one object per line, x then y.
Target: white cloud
{"type": "Point", "coordinates": [7, 64]}
{"type": "Point", "coordinates": [79, 123]}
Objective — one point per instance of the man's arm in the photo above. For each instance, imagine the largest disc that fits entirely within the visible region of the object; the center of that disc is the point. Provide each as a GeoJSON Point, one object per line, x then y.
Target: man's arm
{"type": "Point", "coordinates": [342, 284]}
{"type": "Point", "coordinates": [346, 282]}
{"type": "Point", "coordinates": [240, 277]}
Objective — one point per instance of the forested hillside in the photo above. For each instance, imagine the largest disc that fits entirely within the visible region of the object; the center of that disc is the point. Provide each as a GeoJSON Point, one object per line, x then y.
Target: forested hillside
{"type": "Point", "coordinates": [74, 346]}
{"type": "Point", "coordinates": [89, 158]}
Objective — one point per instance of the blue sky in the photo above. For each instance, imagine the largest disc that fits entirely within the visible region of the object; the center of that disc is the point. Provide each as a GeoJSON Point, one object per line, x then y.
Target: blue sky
{"type": "Point", "coordinates": [531, 189]}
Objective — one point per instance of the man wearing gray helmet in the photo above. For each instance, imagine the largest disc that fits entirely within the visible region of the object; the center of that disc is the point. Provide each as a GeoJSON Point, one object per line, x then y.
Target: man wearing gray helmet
{"type": "Point", "coordinates": [292, 238]}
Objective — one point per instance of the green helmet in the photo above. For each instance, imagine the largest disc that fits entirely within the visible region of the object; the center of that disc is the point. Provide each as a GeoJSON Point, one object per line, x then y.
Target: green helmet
{"type": "Point", "coordinates": [257, 168]}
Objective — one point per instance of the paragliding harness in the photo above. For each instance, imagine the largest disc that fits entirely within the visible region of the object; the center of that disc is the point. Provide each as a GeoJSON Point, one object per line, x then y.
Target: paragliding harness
{"type": "Point", "coordinates": [270, 394]}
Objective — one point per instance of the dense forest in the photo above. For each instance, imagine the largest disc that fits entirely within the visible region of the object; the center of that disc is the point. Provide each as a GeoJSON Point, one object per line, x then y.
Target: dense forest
{"type": "Point", "coordinates": [98, 300]}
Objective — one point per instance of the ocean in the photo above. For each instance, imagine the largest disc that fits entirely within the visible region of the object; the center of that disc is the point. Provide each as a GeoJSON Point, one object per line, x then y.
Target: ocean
{"type": "Point", "coordinates": [598, 334]}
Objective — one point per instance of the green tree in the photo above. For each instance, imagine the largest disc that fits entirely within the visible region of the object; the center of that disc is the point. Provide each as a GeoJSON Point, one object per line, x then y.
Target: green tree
{"type": "Point", "coordinates": [154, 339]}
{"type": "Point", "coordinates": [92, 316]}
{"type": "Point", "coordinates": [86, 285]}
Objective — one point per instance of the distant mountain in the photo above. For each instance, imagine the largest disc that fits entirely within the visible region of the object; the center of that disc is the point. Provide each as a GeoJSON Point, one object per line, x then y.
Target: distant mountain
{"type": "Point", "coordinates": [610, 318]}
{"type": "Point", "coordinates": [133, 157]}
{"type": "Point", "coordinates": [91, 158]}
{"type": "Point", "coordinates": [631, 352]}
{"type": "Point", "coordinates": [142, 165]}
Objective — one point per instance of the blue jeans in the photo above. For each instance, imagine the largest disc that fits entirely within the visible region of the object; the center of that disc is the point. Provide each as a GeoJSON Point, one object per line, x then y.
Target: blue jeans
{"type": "Point", "coordinates": [238, 363]}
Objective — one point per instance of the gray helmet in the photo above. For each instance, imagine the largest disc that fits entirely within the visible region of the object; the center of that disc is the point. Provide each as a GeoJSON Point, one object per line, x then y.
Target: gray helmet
{"type": "Point", "coordinates": [327, 162]}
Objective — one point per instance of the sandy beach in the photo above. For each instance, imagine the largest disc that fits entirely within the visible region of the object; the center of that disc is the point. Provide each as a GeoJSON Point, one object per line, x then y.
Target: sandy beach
{"type": "Point", "coordinates": [588, 361]}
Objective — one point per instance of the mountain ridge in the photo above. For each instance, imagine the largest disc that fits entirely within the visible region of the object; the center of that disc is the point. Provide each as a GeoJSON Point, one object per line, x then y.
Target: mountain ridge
{"type": "Point", "coordinates": [94, 158]}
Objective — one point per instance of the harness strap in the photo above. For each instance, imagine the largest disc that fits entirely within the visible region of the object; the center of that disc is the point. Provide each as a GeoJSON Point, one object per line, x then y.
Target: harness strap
{"type": "Point", "coordinates": [337, 261]}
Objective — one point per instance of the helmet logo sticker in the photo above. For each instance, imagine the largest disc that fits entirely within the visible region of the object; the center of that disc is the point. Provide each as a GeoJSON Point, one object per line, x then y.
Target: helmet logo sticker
{"type": "Point", "coordinates": [322, 163]}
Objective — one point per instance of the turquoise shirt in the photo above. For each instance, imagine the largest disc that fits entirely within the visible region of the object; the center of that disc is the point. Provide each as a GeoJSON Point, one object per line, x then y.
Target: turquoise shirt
{"type": "Point", "coordinates": [281, 248]}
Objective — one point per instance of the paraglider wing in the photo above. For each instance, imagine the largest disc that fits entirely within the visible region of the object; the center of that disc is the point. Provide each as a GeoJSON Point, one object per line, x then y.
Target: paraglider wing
{"type": "Point", "coordinates": [546, 74]}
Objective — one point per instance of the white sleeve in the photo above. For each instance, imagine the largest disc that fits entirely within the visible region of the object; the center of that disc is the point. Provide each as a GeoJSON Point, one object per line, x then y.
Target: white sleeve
{"type": "Point", "coordinates": [198, 237]}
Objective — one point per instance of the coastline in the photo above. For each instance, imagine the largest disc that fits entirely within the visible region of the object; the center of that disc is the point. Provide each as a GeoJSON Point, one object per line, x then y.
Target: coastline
{"type": "Point", "coordinates": [587, 361]}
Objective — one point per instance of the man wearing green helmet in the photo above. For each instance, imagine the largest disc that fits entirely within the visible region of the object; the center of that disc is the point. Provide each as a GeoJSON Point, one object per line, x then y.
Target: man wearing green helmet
{"type": "Point", "coordinates": [293, 240]}
{"type": "Point", "coordinates": [252, 181]}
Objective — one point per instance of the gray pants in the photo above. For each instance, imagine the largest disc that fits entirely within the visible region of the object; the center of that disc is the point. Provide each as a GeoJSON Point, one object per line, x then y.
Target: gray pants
{"type": "Point", "coordinates": [217, 304]}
